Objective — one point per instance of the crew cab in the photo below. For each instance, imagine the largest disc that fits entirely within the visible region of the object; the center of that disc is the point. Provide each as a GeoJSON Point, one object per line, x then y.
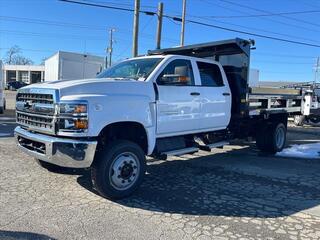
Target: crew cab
{"type": "Point", "coordinates": [169, 102]}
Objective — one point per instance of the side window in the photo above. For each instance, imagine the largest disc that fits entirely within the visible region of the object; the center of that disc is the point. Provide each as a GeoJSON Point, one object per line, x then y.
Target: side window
{"type": "Point", "coordinates": [178, 73]}
{"type": "Point", "coordinates": [210, 74]}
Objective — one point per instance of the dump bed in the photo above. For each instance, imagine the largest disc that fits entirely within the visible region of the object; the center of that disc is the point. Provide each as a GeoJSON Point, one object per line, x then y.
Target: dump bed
{"type": "Point", "coordinates": [234, 56]}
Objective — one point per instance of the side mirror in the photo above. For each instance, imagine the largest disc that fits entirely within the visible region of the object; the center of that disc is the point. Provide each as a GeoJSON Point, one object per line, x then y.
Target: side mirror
{"type": "Point", "coordinates": [173, 79]}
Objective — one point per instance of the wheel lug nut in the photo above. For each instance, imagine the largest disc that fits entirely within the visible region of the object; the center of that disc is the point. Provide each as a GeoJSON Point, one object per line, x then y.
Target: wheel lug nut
{"type": "Point", "coordinates": [134, 174]}
{"type": "Point", "coordinates": [123, 181]}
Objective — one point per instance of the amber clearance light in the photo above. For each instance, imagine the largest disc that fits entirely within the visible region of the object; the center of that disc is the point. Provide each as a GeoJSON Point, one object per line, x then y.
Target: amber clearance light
{"type": "Point", "coordinates": [81, 124]}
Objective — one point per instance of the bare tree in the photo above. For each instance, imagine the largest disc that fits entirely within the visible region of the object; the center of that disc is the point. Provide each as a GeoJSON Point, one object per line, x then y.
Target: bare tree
{"type": "Point", "coordinates": [43, 60]}
{"type": "Point", "coordinates": [13, 56]}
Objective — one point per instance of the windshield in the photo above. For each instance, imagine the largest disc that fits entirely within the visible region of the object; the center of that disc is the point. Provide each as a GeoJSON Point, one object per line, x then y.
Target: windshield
{"type": "Point", "coordinates": [138, 69]}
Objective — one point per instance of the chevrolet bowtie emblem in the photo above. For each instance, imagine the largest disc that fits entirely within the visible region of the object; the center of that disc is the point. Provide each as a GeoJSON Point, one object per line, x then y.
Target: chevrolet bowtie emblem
{"type": "Point", "coordinates": [28, 105]}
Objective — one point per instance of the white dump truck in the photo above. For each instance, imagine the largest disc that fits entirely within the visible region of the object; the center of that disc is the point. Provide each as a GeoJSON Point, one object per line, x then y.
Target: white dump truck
{"type": "Point", "coordinates": [169, 102]}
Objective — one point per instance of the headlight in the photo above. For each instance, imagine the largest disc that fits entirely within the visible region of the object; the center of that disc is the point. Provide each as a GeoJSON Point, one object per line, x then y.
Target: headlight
{"type": "Point", "coordinates": [72, 116]}
{"type": "Point", "coordinates": [73, 108]}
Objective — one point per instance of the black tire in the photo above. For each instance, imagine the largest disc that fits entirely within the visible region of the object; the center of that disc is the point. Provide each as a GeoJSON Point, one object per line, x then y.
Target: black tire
{"type": "Point", "coordinates": [50, 167]}
{"type": "Point", "coordinates": [299, 120]}
{"type": "Point", "coordinates": [108, 179]}
{"type": "Point", "coordinates": [1, 110]}
{"type": "Point", "coordinates": [272, 138]}
{"type": "Point", "coordinates": [314, 119]}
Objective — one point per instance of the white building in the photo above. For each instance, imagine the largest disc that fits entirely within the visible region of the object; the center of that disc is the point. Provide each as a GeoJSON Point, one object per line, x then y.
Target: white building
{"type": "Point", "coordinates": [67, 65]}
{"type": "Point", "coordinates": [25, 73]}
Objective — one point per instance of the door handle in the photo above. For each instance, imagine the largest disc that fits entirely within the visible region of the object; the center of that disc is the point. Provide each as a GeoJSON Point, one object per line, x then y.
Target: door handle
{"type": "Point", "coordinates": [194, 94]}
{"type": "Point", "coordinates": [226, 94]}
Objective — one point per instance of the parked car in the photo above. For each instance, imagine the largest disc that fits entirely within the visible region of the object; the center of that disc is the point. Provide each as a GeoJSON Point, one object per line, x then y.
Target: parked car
{"type": "Point", "coordinates": [15, 85]}
{"type": "Point", "coordinates": [172, 102]}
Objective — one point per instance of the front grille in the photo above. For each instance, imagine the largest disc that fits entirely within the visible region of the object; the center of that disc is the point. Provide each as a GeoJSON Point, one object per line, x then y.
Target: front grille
{"type": "Point", "coordinates": [35, 98]}
{"type": "Point", "coordinates": [35, 109]}
{"type": "Point", "coordinates": [38, 121]}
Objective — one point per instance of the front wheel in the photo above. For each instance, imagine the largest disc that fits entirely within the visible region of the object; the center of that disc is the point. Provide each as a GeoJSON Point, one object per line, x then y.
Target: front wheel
{"type": "Point", "coordinates": [118, 169]}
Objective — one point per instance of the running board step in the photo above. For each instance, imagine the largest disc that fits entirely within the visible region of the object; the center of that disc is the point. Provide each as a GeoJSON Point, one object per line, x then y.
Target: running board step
{"type": "Point", "coordinates": [181, 151]}
{"type": "Point", "coordinates": [213, 145]}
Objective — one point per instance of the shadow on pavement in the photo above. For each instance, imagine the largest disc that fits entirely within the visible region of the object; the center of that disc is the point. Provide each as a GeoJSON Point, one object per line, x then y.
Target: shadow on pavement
{"type": "Point", "coordinates": [13, 235]}
{"type": "Point", "coordinates": [7, 124]}
{"type": "Point", "coordinates": [227, 184]}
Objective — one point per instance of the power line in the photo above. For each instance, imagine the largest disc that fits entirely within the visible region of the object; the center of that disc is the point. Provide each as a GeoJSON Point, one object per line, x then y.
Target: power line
{"type": "Point", "coordinates": [73, 25]}
{"type": "Point", "coordinates": [254, 34]}
{"type": "Point", "coordinates": [262, 18]}
{"type": "Point", "coordinates": [49, 51]}
{"type": "Point", "coordinates": [201, 23]}
{"type": "Point", "coordinates": [118, 4]}
{"type": "Point", "coordinates": [260, 10]}
{"type": "Point", "coordinates": [256, 29]}
{"type": "Point", "coordinates": [65, 36]}
{"type": "Point", "coordinates": [267, 14]}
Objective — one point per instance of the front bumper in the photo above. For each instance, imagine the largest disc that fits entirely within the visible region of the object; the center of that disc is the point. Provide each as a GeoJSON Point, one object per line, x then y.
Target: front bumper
{"type": "Point", "coordinates": [63, 152]}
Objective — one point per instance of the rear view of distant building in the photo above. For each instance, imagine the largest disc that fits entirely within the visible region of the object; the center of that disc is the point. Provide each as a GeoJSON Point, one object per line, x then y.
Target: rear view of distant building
{"type": "Point", "coordinates": [68, 66]}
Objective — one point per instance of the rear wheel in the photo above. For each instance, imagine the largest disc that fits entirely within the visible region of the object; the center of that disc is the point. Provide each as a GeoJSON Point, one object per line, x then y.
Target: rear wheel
{"type": "Point", "coordinates": [314, 119]}
{"type": "Point", "coordinates": [1, 110]}
{"type": "Point", "coordinates": [118, 169]}
{"type": "Point", "coordinates": [272, 138]}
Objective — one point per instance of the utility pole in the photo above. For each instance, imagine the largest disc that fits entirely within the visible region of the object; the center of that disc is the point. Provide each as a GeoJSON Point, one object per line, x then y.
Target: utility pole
{"type": "Point", "coordinates": [316, 72]}
{"type": "Point", "coordinates": [110, 48]}
{"type": "Point", "coordinates": [135, 28]}
{"type": "Point", "coordinates": [159, 27]}
{"type": "Point", "coordinates": [183, 22]}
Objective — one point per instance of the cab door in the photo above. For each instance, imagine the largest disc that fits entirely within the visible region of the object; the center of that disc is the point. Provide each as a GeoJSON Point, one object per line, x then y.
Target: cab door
{"type": "Point", "coordinates": [215, 96]}
{"type": "Point", "coordinates": [178, 103]}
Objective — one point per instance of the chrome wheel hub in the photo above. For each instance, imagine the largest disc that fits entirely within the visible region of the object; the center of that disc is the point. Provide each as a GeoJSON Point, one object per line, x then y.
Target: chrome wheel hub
{"type": "Point", "coordinates": [124, 171]}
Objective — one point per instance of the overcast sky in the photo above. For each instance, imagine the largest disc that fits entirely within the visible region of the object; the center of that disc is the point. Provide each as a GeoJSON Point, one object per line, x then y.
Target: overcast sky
{"type": "Point", "coordinates": [42, 27]}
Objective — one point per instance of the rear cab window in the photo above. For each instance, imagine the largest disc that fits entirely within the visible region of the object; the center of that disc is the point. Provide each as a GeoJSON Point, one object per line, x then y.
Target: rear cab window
{"type": "Point", "coordinates": [210, 74]}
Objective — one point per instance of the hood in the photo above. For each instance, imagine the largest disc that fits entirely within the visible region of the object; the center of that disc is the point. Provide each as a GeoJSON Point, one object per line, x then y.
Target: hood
{"type": "Point", "coordinates": [99, 86]}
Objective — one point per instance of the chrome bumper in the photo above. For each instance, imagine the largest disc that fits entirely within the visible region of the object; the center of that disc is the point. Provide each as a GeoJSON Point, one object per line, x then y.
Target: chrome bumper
{"type": "Point", "coordinates": [59, 151]}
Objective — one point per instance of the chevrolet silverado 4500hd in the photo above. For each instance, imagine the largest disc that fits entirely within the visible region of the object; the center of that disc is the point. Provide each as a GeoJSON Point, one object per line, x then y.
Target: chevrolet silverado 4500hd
{"type": "Point", "coordinates": [170, 102]}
